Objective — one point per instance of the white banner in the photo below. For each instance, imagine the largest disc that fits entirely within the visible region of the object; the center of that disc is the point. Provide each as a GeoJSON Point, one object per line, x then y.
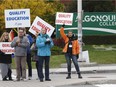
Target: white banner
{"type": "Point", "coordinates": [64, 18]}
{"type": "Point", "coordinates": [6, 48]}
{"type": "Point", "coordinates": [17, 18]}
{"type": "Point", "coordinates": [38, 24]}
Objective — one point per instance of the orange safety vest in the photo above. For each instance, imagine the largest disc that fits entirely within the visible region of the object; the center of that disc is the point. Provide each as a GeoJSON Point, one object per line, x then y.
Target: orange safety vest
{"type": "Point", "coordinates": [75, 45]}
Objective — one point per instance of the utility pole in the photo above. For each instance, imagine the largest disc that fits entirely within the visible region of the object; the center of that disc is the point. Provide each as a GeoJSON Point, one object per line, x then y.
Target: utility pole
{"type": "Point", "coordinates": [79, 3]}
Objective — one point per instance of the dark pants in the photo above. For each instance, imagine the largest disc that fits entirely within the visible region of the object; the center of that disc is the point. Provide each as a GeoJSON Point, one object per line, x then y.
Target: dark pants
{"type": "Point", "coordinates": [37, 65]}
{"type": "Point", "coordinates": [9, 73]}
{"type": "Point", "coordinates": [43, 59]}
{"type": "Point", "coordinates": [74, 60]}
{"type": "Point", "coordinates": [29, 65]}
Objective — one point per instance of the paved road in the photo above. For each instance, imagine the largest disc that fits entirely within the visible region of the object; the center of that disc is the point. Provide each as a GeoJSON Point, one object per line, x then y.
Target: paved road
{"type": "Point", "coordinates": [59, 80]}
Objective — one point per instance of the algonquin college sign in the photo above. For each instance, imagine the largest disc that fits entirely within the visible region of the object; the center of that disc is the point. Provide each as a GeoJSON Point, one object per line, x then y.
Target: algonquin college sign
{"type": "Point", "coordinates": [93, 23]}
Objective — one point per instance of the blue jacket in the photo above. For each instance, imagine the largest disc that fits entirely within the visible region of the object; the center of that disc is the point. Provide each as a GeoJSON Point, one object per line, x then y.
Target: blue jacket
{"type": "Point", "coordinates": [30, 41]}
{"type": "Point", "coordinates": [43, 49]}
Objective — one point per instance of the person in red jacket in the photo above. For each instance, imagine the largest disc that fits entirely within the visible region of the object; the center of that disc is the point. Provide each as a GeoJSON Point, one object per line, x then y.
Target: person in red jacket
{"type": "Point", "coordinates": [71, 50]}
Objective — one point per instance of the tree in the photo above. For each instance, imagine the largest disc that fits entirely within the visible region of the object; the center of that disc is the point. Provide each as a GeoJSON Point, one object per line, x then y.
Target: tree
{"type": "Point", "coordinates": [44, 9]}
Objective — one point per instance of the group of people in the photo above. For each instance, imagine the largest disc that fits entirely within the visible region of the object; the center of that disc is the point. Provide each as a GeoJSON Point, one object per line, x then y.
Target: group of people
{"type": "Point", "coordinates": [42, 44]}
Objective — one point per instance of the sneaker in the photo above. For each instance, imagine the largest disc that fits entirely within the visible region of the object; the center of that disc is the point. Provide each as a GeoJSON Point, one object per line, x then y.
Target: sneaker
{"type": "Point", "coordinates": [16, 80]}
{"type": "Point", "coordinates": [41, 80]}
{"type": "Point", "coordinates": [4, 79]}
{"type": "Point", "coordinates": [29, 78]}
{"type": "Point", "coordinates": [24, 79]}
{"type": "Point", "coordinates": [68, 77]}
{"type": "Point", "coordinates": [47, 79]}
{"type": "Point", "coordinates": [10, 79]}
{"type": "Point", "coordinates": [80, 77]}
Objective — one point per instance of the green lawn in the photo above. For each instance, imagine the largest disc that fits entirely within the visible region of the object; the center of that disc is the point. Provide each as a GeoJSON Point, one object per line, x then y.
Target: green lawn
{"type": "Point", "coordinates": [98, 55]}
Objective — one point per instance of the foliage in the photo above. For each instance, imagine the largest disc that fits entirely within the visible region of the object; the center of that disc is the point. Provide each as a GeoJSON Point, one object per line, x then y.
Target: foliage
{"type": "Point", "coordinates": [56, 50]}
{"type": "Point", "coordinates": [99, 6]}
{"type": "Point", "coordinates": [42, 8]}
{"type": "Point", "coordinates": [59, 42]}
{"type": "Point", "coordinates": [92, 6]}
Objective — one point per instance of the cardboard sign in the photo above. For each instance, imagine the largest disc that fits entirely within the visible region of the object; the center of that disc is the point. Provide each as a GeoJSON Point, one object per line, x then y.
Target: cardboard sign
{"type": "Point", "coordinates": [64, 18]}
{"type": "Point", "coordinates": [38, 24]}
{"type": "Point", "coordinates": [17, 18]}
{"type": "Point", "coordinates": [6, 47]}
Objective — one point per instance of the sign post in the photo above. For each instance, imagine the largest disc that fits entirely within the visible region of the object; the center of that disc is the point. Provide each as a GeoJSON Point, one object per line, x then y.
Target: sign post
{"type": "Point", "coordinates": [80, 27]}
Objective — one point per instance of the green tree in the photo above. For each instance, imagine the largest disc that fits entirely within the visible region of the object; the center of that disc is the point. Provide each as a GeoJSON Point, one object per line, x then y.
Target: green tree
{"type": "Point", "coordinates": [44, 9]}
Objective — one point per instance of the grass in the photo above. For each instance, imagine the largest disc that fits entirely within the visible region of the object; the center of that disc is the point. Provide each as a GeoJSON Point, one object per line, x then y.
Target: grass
{"type": "Point", "coordinates": [99, 56]}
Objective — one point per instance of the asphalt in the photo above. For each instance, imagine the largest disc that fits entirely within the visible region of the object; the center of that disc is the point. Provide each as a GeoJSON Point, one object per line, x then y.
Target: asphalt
{"type": "Point", "coordinates": [91, 75]}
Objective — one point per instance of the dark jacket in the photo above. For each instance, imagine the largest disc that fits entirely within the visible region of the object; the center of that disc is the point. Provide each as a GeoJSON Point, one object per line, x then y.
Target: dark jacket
{"type": "Point", "coordinates": [5, 58]}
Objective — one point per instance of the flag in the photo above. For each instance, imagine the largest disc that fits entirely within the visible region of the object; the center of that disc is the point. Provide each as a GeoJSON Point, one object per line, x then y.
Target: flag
{"type": "Point", "coordinates": [11, 35]}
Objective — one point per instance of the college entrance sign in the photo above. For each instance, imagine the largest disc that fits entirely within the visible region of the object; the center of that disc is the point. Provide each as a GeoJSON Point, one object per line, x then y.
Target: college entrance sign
{"type": "Point", "coordinates": [94, 23]}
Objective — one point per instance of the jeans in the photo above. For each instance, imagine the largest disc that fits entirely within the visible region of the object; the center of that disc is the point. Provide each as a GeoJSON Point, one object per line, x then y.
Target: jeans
{"type": "Point", "coordinates": [68, 57]}
{"type": "Point", "coordinates": [43, 59]}
{"type": "Point", "coordinates": [29, 65]}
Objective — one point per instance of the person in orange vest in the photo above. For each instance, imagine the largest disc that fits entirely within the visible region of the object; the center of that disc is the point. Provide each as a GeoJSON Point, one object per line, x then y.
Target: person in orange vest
{"type": "Point", "coordinates": [71, 50]}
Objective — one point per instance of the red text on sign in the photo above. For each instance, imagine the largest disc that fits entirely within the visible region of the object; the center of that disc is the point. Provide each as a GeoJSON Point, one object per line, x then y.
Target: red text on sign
{"type": "Point", "coordinates": [64, 16]}
{"type": "Point", "coordinates": [43, 26]}
{"type": "Point", "coordinates": [35, 29]}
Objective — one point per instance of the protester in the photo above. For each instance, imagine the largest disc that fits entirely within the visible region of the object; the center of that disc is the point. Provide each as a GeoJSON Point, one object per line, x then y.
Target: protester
{"type": "Point", "coordinates": [5, 60]}
{"type": "Point", "coordinates": [20, 43]}
{"type": "Point", "coordinates": [34, 56]}
{"type": "Point", "coordinates": [71, 50]}
{"type": "Point", "coordinates": [44, 44]}
{"type": "Point", "coordinates": [29, 56]}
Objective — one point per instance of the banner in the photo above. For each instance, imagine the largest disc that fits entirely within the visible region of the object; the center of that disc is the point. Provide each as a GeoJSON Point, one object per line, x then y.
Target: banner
{"type": "Point", "coordinates": [6, 47]}
{"type": "Point", "coordinates": [64, 18]}
{"type": "Point", "coordinates": [94, 23]}
{"type": "Point", "coordinates": [17, 18]}
{"type": "Point", "coordinates": [38, 24]}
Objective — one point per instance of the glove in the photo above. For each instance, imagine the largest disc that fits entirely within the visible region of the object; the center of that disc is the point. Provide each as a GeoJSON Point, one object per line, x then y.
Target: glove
{"type": "Point", "coordinates": [63, 25]}
{"type": "Point", "coordinates": [47, 42]}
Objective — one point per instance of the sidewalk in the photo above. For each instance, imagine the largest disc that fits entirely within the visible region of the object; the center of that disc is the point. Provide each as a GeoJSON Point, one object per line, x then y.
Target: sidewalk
{"type": "Point", "coordinates": [58, 76]}
{"type": "Point", "coordinates": [103, 68]}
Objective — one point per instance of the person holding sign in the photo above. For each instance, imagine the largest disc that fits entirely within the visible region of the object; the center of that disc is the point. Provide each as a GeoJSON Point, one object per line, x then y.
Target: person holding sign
{"type": "Point", "coordinates": [71, 50]}
{"type": "Point", "coordinates": [44, 44]}
{"type": "Point", "coordinates": [20, 43]}
{"type": "Point", "coordinates": [5, 60]}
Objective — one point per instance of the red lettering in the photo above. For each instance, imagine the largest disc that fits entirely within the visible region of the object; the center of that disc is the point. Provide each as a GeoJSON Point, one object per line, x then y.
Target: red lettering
{"type": "Point", "coordinates": [5, 45]}
{"type": "Point", "coordinates": [64, 21]}
{"type": "Point", "coordinates": [43, 26]}
{"type": "Point", "coordinates": [35, 29]}
{"type": "Point", "coordinates": [64, 16]}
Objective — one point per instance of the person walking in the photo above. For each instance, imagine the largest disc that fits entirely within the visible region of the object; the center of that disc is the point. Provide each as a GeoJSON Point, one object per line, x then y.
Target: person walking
{"type": "Point", "coordinates": [20, 43]}
{"type": "Point", "coordinates": [44, 44]}
{"type": "Point", "coordinates": [71, 50]}
{"type": "Point", "coordinates": [5, 60]}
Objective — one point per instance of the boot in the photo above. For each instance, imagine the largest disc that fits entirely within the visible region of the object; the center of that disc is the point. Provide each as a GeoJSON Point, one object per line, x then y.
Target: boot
{"type": "Point", "coordinates": [5, 79]}
{"type": "Point", "coordinates": [79, 76]}
{"type": "Point", "coordinates": [69, 76]}
{"type": "Point", "coordinates": [9, 74]}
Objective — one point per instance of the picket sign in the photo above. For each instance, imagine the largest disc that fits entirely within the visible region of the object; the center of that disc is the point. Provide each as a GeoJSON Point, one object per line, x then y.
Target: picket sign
{"type": "Point", "coordinates": [38, 24]}
{"type": "Point", "coordinates": [15, 18]}
{"type": "Point", "coordinates": [64, 18]}
{"type": "Point", "coordinates": [6, 47]}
